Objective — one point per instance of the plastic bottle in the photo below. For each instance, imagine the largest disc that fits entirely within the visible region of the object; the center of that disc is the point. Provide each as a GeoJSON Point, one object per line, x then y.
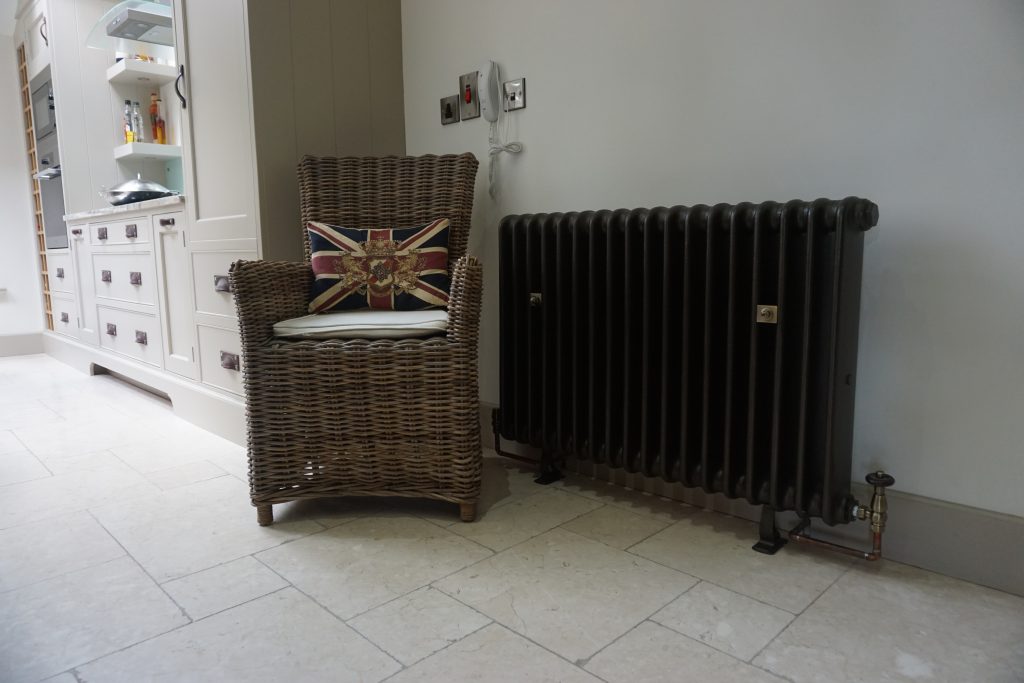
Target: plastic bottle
{"type": "Point", "coordinates": [129, 131]}
{"type": "Point", "coordinates": [137, 126]}
{"type": "Point", "coordinates": [153, 115]}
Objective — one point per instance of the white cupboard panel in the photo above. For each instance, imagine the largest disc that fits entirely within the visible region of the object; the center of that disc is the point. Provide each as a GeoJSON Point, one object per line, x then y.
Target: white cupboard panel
{"type": "Point", "coordinates": [65, 314]}
{"type": "Point", "coordinates": [175, 294]}
{"type": "Point", "coordinates": [126, 231]}
{"type": "Point", "coordinates": [220, 356]}
{"type": "Point", "coordinates": [212, 287]}
{"type": "Point", "coordinates": [61, 271]}
{"type": "Point", "coordinates": [124, 277]}
{"type": "Point", "coordinates": [81, 255]}
{"type": "Point", "coordinates": [133, 334]}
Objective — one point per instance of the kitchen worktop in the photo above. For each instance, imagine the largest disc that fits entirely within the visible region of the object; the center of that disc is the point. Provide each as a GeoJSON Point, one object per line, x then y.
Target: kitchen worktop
{"type": "Point", "coordinates": [127, 208]}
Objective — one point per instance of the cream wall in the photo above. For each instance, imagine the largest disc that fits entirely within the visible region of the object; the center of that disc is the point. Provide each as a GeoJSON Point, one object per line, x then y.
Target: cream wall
{"type": "Point", "coordinates": [917, 105]}
{"type": "Point", "coordinates": [21, 306]}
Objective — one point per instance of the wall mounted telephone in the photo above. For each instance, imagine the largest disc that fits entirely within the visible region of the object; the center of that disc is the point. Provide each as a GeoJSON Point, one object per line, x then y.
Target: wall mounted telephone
{"type": "Point", "coordinates": [490, 98]}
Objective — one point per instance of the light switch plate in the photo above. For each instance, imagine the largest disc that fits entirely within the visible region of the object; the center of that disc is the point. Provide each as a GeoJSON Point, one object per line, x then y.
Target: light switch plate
{"type": "Point", "coordinates": [449, 110]}
{"type": "Point", "coordinates": [514, 93]}
{"type": "Point", "coordinates": [468, 84]}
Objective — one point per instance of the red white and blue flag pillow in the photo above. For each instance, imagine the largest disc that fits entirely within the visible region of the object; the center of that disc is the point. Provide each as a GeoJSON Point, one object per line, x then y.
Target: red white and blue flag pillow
{"type": "Point", "coordinates": [402, 269]}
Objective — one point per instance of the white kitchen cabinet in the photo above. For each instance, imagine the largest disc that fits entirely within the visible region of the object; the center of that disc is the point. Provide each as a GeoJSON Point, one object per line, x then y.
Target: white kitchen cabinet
{"type": "Point", "coordinates": [171, 238]}
{"type": "Point", "coordinates": [219, 159]}
{"type": "Point", "coordinates": [35, 32]}
{"type": "Point", "coordinates": [81, 256]}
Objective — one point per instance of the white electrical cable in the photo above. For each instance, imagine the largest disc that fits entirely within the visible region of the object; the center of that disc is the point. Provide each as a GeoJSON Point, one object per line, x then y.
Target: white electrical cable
{"type": "Point", "coordinates": [496, 138]}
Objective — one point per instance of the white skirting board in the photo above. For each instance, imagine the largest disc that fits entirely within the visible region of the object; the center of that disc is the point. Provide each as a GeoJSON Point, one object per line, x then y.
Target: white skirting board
{"type": "Point", "coordinates": [21, 344]}
{"type": "Point", "coordinates": [956, 540]}
{"type": "Point", "coordinates": [215, 411]}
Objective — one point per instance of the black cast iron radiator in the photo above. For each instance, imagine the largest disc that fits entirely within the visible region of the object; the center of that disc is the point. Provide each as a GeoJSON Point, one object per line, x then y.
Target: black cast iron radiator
{"type": "Point", "coordinates": [710, 345]}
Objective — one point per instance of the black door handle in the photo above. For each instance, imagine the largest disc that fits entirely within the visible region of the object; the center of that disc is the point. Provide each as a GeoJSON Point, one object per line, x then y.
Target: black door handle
{"type": "Point", "coordinates": [42, 32]}
{"type": "Point", "coordinates": [177, 83]}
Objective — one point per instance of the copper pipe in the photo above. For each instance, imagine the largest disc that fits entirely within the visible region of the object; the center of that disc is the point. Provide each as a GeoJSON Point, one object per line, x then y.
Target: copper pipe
{"type": "Point", "coordinates": [876, 550]}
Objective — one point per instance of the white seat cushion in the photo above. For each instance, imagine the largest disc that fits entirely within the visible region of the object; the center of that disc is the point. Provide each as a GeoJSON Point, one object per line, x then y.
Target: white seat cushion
{"type": "Point", "coordinates": [366, 323]}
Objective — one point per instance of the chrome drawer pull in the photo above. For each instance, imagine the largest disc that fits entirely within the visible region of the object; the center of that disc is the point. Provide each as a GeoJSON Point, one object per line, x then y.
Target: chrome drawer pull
{"type": "Point", "coordinates": [112, 329]}
{"type": "Point", "coordinates": [101, 233]}
{"type": "Point", "coordinates": [229, 361]}
{"type": "Point", "coordinates": [131, 230]}
{"type": "Point", "coordinates": [221, 283]}
{"type": "Point", "coordinates": [135, 277]}
{"type": "Point", "coordinates": [60, 273]}
{"type": "Point", "coordinates": [64, 317]}
{"type": "Point", "coordinates": [166, 222]}
{"type": "Point", "coordinates": [105, 276]}
{"type": "Point", "coordinates": [141, 337]}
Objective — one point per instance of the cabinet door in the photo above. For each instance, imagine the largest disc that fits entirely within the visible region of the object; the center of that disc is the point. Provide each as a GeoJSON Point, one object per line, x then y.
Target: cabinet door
{"type": "Point", "coordinates": [175, 284]}
{"type": "Point", "coordinates": [81, 254]}
{"type": "Point", "coordinates": [37, 39]}
{"type": "Point", "coordinates": [218, 147]}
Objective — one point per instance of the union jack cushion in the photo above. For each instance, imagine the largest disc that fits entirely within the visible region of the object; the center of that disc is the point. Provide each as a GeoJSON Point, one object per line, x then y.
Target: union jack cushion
{"type": "Point", "coordinates": [402, 269]}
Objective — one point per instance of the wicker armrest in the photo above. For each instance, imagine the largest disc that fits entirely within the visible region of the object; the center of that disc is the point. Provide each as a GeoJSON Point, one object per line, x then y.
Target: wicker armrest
{"type": "Point", "coordinates": [267, 292]}
{"type": "Point", "coordinates": [464, 302]}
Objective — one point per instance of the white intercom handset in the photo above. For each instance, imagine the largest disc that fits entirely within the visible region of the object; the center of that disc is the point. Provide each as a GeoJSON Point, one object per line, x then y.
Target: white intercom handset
{"type": "Point", "coordinates": [487, 88]}
{"type": "Point", "coordinates": [491, 108]}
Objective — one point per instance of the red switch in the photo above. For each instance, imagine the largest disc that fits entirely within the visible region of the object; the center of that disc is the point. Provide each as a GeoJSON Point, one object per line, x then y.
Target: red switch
{"type": "Point", "coordinates": [469, 94]}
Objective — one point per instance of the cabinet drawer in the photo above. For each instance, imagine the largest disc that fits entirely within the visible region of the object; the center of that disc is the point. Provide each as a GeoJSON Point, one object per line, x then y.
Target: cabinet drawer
{"type": "Point", "coordinates": [124, 277]}
{"type": "Point", "coordinates": [133, 334]}
{"type": "Point", "coordinates": [65, 315]}
{"type": "Point", "coordinates": [219, 351]}
{"type": "Point", "coordinates": [58, 265]}
{"type": "Point", "coordinates": [130, 231]}
{"type": "Point", "coordinates": [210, 269]}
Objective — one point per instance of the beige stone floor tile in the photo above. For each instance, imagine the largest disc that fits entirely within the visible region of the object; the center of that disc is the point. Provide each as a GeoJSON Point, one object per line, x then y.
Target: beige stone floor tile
{"type": "Point", "coordinates": [615, 526]}
{"type": "Point", "coordinates": [506, 525]}
{"type": "Point", "coordinates": [19, 466]}
{"type": "Point", "coordinates": [34, 552]}
{"type": "Point", "coordinates": [419, 624]}
{"type": "Point", "coordinates": [717, 548]}
{"type": "Point", "coordinates": [283, 636]}
{"type": "Point", "coordinates": [495, 655]}
{"type": "Point", "coordinates": [357, 566]}
{"type": "Point", "coordinates": [51, 626]}
{"type": "Point", "coordinates": [224, 586]}
{"type": "Point", "coordinates": [66, 438]}
{"type": "Point", "coordinates": [183, 475]}
{"type": "Point", "coordinates": [162, 453]}
{"type": "Point", "coordinates": [651, 653]}
{"type": "Point", "coordinates": [891, 622]}
{"type": "Point", "coordinates": [27, 413]}
{"type": "Point", "coordinates": [566, 592]}
{"type": "Point", "coordinates": [99, 460]}
{"type": "Point", "coordinates": [727, 621]}
{"type": "Point", "coordinates": [61, 494]}
{"type": "Point", "coordinates": [9, 443]}
{"type": "Point", "coordinates": [188, 529]}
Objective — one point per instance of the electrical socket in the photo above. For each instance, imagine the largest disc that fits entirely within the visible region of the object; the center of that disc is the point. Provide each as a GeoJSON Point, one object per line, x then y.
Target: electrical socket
{"type": "Point", "coordinates": [514, 94]}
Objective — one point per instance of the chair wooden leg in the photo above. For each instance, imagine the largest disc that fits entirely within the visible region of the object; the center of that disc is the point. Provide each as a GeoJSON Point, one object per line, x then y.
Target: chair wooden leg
{"type": "Point", "coordinates": [467, 511]}
{"type": "Point", "coordinates": [265, 514]}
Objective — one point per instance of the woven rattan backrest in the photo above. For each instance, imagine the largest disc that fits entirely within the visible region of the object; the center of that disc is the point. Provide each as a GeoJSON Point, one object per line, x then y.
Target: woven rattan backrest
{"type": "Point", "coordinates": [390, 192]}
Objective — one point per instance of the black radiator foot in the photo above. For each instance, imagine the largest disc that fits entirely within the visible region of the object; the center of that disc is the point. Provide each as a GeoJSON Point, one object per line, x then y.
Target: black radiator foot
{"type": "Point", "coordinates": [549, 472]}
{"type": "Point", "coordinates": [771, 540]}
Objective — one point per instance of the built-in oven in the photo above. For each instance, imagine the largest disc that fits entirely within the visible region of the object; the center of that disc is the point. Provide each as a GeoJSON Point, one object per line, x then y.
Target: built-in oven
{"type": "Point", "coordinates": [44, 113]}
{"type": "Point", "coordinates": [51, 193]}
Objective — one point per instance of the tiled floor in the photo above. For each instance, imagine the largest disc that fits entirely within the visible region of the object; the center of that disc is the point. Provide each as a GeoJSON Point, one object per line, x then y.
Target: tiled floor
{"type": "Point", "coordinates": [129, 552]}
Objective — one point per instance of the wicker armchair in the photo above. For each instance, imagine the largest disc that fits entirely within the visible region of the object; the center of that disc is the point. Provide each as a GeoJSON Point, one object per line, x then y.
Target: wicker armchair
{"type": "Point", "coordinates": [353, 416]}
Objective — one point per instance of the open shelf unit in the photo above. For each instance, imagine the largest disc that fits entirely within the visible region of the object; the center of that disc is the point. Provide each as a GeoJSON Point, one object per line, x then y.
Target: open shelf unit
{"type": "Point", "coordinates": [135, 72]}
{"type": "Point", "coordinates": [146, 150]}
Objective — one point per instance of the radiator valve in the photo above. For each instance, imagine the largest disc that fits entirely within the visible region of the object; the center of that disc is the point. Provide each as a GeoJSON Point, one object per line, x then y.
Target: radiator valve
{"type": "Point", "coordinates": [877, 512]}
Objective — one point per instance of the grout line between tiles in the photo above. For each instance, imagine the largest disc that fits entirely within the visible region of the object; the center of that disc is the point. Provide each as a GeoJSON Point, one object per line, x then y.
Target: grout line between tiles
{"type": "Point", "coordinates": [321, 606]}
{"type": "Point", "coordinates": [139, 564]}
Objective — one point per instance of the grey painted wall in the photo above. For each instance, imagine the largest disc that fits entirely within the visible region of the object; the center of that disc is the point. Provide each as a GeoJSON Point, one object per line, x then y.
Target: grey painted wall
{"type": "Point", "coordinates": [918, 105]}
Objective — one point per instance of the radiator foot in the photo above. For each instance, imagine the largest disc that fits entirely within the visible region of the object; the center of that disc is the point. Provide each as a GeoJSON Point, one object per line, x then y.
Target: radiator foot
{"type": "Point", "coordinates": [771, 539]}
{"type": "Point", "coordinates": [549, 472]}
